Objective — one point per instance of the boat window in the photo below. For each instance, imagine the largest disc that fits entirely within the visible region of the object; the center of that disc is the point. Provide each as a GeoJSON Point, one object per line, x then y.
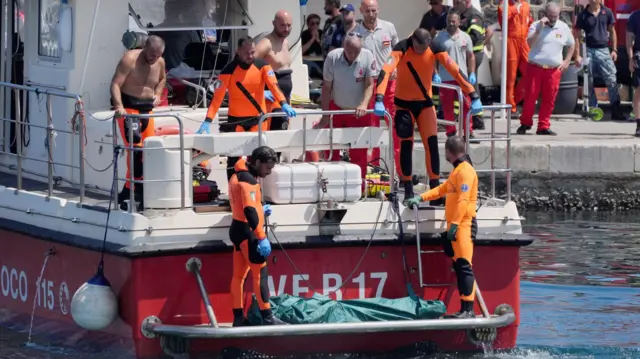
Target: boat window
{"type": "Point", "coordinates": [48, 44]}
{"type": "Point", "coordinates": [176, 15]}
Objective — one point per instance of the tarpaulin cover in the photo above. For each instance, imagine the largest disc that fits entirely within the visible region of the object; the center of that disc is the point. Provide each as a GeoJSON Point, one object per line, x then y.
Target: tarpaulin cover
{"type": "Point", "coordinates": [321, 309]}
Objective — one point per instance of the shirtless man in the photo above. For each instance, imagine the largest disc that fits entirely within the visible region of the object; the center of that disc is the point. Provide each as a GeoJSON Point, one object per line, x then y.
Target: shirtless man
{"type": "Point", "coordinates": [136, 88]}
{"type": "Point", "coordinates": [274, 49]}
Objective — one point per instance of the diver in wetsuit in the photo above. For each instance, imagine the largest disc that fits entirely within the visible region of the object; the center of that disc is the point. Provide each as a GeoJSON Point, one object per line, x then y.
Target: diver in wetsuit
{"type": "Point", "coordinates": [245, 72]}
{"type": "Point", "coordinates": [461, 190]}
{"type": "Point", "coordinates": [136, 88]}
{"type": "Point", "coordinates": [415, 59]}
{"type": "Point", "coordinates": [251, 246]}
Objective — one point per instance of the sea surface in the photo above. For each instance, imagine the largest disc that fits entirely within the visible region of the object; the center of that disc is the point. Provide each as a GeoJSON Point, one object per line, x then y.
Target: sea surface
{"type": "Point", "coordinates": [580, 293]}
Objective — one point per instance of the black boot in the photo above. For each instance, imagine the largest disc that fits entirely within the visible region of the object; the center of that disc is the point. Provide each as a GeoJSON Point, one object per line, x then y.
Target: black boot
{"type": "Point", "coordinates": [124, 195]}
{"type": "Point", "coordinates": [466, 311]}
{"type": "Point", "coordinates": [238, 318]}
{"type": "Point", "coordinates": [637, 128]}
{"type": "Point", "coordinates": [269, 319]}
{"type": "Point", "coordinates": [433, 184]}
{"type": "Point", "coordinates": [138, 194]}
{"type": "Point", "coordinates": [408, 190]}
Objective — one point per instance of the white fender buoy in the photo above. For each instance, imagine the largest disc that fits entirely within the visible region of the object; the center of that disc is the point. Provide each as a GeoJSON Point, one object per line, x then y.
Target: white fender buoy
{"type": "Point", "coordinates": [94, 305]}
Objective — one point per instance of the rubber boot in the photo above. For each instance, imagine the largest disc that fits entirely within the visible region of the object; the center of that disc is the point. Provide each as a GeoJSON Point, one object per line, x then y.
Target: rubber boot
{"type": "Point", "coordinates": [637, 128]}
{"type": "Point", "coordinates": [238, 318]}
{"type": "Point", "coordinates": [466, 311]}
{"type": "Point", "coordinates": [269, 319]}
{"type": "Point", "coordinates": [433, 184]}
{"type": "Point", "coordinates": [408, 191]}
{"type": "Point", "coordinates": [124, 195]}
{"type": "Point", "coordinates": [138, 193]}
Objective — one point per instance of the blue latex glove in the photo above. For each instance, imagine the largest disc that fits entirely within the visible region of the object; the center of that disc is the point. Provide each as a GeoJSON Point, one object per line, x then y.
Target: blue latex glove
{"type": "Point", "coordinates": [476, 106]}
{"type": "Point", "coordinates": [378, 109]}
{"type": "Point", "coordinates": [303, 2]}
{"type": "Point", "coordinates": [436, 79]}
{"type": "Point", "coordinates": [413, 202]}
{"type": "Point", "coordinates": [266, 209]}
{"type": "Point", "coordinates": [269, 96]}
{"type": "Point", "coordinates": [288, 110]}
{"type": "Point", "coordinates": [451, 233]}
{"type": "Point", "coordinates": [204, 128]}
{"type": "Point", "coordinates": [264, 247]}
{"type": "Point", "coordinates": [472, 78]}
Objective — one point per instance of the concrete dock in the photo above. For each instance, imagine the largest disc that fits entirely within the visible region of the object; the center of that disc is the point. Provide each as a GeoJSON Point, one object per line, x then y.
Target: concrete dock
{"type": "Point", "coordinates": [588, 165]}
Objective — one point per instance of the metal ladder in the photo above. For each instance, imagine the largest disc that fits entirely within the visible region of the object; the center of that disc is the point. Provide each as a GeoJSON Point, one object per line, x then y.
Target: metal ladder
{"type": "Point", "coordinates": [481, 303]}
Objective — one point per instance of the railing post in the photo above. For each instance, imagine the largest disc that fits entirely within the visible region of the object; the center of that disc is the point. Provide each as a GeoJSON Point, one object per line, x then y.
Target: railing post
{"type": "Point", "coordinates": [116, 178]}
{"type": "Point", "coordinates": [182, 183]}
{"type": "Point", "coordinates": [81, 139]}
{"type": "Point", "coordinates": [19, 143]}
{"type": "Point", "coordinates": [260, 121]}
{"type": "Point", "coordinates": [508, 164]}
{"type": "Point", "coordinates": [492, 154]}
{"type": "Point", "coordinates": [132, 185]}
{"type": "Point", "coordinates": [304, 137]}
{"type": "Point", "coordinates": [49, 147]}
{"type": "Point", "coordinates": [330, 137]}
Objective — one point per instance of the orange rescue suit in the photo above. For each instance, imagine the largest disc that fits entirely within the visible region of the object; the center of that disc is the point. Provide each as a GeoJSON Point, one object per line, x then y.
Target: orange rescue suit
{"type": "Point", "coordinates": [243, 115]}
{"type": "Point", "coordinates": [247, 228]}
{"type": "Point", "coordinates": [413, 100]}
{"type": "Point", "coordinates": [519, 19]}
{"type": "Point", "coordinates": [461, 191]}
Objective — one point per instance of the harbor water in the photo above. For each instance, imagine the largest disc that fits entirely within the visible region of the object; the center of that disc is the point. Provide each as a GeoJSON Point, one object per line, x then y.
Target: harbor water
{"type": "Point", "coordinates": [580, 293]}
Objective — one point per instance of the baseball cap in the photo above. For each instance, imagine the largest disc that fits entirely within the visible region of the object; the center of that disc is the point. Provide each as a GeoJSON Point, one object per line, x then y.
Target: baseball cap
{"type": "Point", "coordinates": [348, 8]}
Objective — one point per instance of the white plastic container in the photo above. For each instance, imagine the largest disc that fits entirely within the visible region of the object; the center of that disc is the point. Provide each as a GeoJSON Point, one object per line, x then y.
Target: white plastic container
{"type": "Point", "coordinates": [291, 183]}
{"type": "Point", "coordinates": [162, 169]}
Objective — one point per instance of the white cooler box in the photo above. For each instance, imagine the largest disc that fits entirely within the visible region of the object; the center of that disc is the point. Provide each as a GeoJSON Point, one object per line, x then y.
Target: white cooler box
{"type": "Point", "coordinates": [299, 182]}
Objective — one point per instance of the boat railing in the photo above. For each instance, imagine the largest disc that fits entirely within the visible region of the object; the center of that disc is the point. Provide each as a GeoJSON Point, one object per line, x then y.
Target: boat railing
{"type": "Point", "coordinates": [20, 123]}
{"type": "Point", "coordinates": [331, 114]}
{"type": "Point", "coordinates": [493, 138]}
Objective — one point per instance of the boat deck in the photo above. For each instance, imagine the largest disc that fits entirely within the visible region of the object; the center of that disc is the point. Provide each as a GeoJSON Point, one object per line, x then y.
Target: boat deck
{"type": "Point", "coordinates": [93, 200]}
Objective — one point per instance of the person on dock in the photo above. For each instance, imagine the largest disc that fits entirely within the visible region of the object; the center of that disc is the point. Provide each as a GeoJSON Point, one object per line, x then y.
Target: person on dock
{"type": "Point", "coordinates": [519, 20]}
{"type": "Point", "coordinates": [136, 88]}
{"type": "Point", "coordinates": [598, 23]}
{"type": "Point", "coordinates": [338, 31]}
{"type": "Point", "coordinates": [349, 73]}
{"type": "Point", "coordinates": [415, 59]}
{"type": "Point", "coordinates": [472, 23]}
{"type": "Point", "coordinates": [379, 37]}
{"type": "Point", "coordinates": [633, 49]}
{"type": "Point", "coordinates": [459, 47]}
{"type": "Point", "coordinates": [274, 49]}
{"type": "Point", "coordinates": [251, 246]}
{"type": "Point", "coordinates": [435, 19]}
{"type": "Point", "coordinates": [461, 190]}
{"type": "Point", "coordinates": [547, 38]}
{"type": "Point", "coordinates": [246, 98]}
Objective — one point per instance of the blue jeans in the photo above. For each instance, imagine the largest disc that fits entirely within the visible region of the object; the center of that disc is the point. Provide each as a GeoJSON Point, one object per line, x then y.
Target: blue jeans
{"type": "Point", "coordinates": [602, 65]}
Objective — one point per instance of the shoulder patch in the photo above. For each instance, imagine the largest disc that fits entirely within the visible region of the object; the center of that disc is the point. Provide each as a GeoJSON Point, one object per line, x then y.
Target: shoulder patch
{"type": "Point", "coordinates": [464, 187]}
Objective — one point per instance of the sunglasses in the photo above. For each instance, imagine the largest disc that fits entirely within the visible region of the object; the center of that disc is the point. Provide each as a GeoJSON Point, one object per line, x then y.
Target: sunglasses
{"type": "Point", "coordinates": [351, 34]}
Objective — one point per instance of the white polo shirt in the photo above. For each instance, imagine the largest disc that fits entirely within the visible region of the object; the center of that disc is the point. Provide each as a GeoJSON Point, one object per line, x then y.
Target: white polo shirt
{"type": "Point", "coordinates": [379, 41]}
{"type": "Point", "coordinates": [547, 51]}
{"type": "Point", "coordinates": [348, 86]}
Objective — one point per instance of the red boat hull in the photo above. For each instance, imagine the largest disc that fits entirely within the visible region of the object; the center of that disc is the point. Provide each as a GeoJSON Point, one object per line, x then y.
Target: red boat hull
{"type": "Point", "coordinates": [158, 284]}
